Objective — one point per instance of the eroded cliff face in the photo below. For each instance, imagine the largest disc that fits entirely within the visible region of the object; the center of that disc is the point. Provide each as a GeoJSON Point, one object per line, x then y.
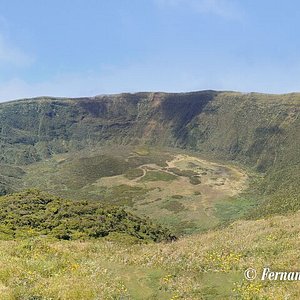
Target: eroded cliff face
{"type": "Point", "coordinates": [256, 129]}
{"type": "Point", "coordinates": [33, 129]}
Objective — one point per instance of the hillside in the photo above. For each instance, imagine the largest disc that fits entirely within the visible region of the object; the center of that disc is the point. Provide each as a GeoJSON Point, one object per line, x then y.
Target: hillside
{"type": "Point", "coordinates": [111, 182]}
{"type": "Point", "coordinates": [33, 214]}
{"type": "Point", "coordinates": [257, 131]}
{"type": "Point", "coordinates": [203, 266]}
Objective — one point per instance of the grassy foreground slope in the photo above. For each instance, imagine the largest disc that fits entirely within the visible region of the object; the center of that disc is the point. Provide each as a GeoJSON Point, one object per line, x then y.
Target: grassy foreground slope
{"type": "Point", "coordinates": [203, 266]}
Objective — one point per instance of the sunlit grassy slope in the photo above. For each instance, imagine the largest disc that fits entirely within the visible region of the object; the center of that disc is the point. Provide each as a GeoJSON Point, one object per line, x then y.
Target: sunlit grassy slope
{"type": "Point", "coordinates": [203, 266]}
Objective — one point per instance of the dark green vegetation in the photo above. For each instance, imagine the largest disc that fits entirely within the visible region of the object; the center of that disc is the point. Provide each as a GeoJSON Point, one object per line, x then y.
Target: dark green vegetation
{"type": "Point", "coordinates": [260, 132]}
{"type": "Point", "coordinates": [33, 213]}
{"type": "Point", "coordinates": [158, 176]}
{"type": "Point", "coordinates": [193, 176]}
{"type": "Point", "coordinates": [76, 175]}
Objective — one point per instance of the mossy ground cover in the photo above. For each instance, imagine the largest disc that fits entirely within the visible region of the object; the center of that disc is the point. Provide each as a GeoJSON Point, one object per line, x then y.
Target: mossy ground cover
{"type": "Point", "coordinates": [158, 176]}
{"type": "Point", "coordinates": [33, 213]}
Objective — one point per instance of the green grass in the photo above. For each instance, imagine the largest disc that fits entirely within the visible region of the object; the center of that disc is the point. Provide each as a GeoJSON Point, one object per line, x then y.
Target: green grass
{"type": "Point", "coordinates": [173, 206]}
{"type": "Point", "coordinates": [124, 195]}
{"type": "Point", "coordinates": [185, 173]}
{"type": "Point", "coordinates": [235, 208]}
{"type": "Point", "coordinates": [134, 173]}
{"type": "Point", "coordinates": [202, 266]}
{"type": "Point", "coordinates": [158, 176]}
{"type": "Point", "coordinates": [87, 170]}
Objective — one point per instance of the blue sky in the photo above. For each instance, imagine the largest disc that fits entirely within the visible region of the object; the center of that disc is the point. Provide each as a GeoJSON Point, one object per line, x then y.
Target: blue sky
{"type": "Point", "coordinates": [89, 47]}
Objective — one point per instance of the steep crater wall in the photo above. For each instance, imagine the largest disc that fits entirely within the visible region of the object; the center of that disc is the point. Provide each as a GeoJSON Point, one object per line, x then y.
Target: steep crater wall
{"type": "Point", "coordinates": [257, 130]}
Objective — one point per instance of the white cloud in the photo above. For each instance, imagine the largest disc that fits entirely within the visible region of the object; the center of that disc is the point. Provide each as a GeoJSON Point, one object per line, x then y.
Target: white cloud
{"type": "Point", "coordinates": [222, 8]}
{"type": "Point", "coordinates": [11, 55]}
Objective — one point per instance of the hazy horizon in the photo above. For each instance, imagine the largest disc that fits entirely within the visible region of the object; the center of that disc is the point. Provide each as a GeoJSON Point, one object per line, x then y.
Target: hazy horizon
{"type": "Point", "coordinates": [75, 49]}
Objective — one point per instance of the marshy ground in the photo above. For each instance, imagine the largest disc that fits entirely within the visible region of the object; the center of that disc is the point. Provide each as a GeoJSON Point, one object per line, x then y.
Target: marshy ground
{"type": "Point", "coordinates": [177, 189]}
